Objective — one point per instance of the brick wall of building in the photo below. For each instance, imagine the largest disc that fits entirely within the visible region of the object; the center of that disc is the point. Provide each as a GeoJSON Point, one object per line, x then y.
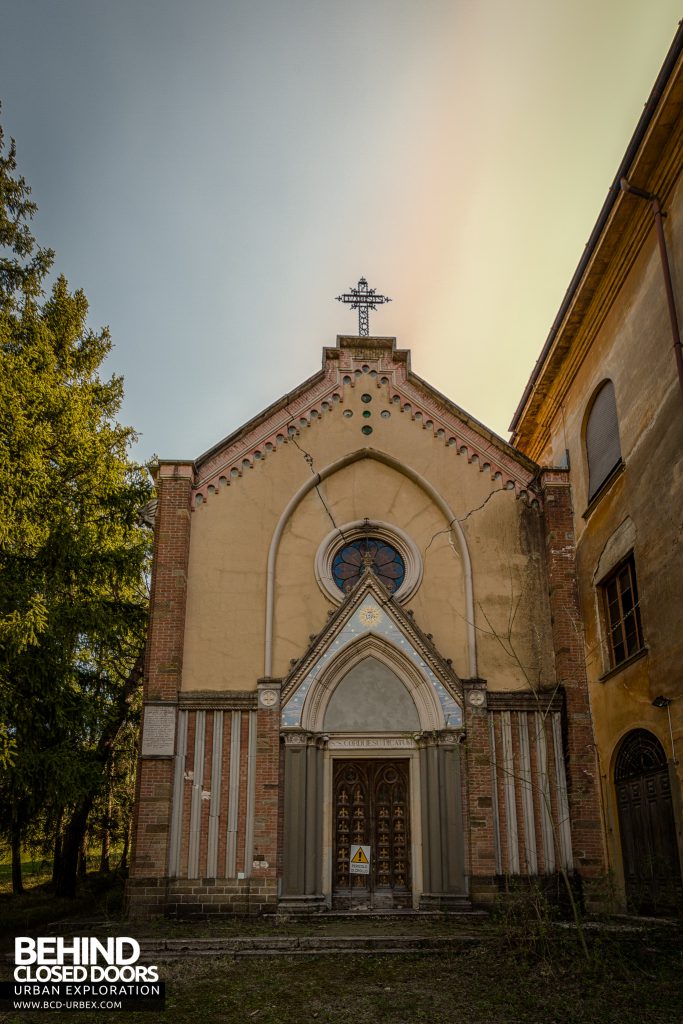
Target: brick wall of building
{"type": "Point", "coordinates": [163, 668]}
{"type": "Point", "coordinates": [568, 643]}
{"type": "Point", "coordinates": [267, 792]}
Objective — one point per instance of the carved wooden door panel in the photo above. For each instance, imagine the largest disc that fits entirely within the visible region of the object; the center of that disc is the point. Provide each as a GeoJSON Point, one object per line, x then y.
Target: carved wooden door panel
{"type": "Point", "coordinates": [371, 808]}
{"type": "Point", "coordinates": [648, 833]}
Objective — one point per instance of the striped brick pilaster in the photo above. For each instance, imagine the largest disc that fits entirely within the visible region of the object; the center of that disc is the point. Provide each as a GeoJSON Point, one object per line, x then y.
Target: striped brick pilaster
{"type": "Point", "coordinates": [479, 796]}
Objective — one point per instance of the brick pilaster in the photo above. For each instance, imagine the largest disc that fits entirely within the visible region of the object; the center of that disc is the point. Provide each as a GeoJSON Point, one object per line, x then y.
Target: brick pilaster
{"type": "Point", "coordinates": [570, 668]}
{"type": "Point", "coordinates": [267, 795]}
{"type": "Point", "coordinates": [163, 666]}
{"type": "Point", "coordinates": [479, 794]}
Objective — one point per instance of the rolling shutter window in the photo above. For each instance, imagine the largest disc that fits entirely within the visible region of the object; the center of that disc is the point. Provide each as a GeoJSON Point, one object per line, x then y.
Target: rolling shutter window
{"type": "Point", "coordinates": [602, 438]}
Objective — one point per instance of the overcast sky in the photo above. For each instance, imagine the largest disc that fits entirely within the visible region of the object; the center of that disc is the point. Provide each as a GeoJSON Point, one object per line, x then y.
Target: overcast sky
{"type": "Point", "coordinates": [213, 174]}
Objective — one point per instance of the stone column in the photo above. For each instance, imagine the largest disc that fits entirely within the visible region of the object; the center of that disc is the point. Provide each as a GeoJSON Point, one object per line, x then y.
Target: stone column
{"type": "Point", "coordinates": [314, 807]}
{"type": "Point", "coordinates": [302, 840]}
{"type": "Point", "coordinates": [450, 789]}
{"type": "Point", "coordinates": [442, 821]}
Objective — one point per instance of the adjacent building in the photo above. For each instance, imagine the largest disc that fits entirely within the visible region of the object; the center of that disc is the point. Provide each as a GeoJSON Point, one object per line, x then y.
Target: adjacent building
{"type": "Point", "coordinates": [605, 401]}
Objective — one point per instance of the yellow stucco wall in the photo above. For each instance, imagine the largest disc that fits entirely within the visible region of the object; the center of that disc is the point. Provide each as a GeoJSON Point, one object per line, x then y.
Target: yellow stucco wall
{"type": "Point", "coordinates": [232, 531]}
{"type": "Point", "coordinates": [633, 348]}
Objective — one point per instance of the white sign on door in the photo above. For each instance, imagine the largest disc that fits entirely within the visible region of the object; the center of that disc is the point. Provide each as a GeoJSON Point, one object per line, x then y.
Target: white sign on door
{"type": "Point", "coordinates": [360, 860]}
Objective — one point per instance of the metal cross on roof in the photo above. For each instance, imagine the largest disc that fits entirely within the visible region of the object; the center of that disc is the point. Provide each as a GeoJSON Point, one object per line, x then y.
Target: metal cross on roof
{"type": "Point", "coordinates": [363, 299]}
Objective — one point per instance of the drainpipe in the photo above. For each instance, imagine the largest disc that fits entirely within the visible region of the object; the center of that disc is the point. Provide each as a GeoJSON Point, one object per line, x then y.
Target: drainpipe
{"type": "Point", "coordinates": [627, 187]}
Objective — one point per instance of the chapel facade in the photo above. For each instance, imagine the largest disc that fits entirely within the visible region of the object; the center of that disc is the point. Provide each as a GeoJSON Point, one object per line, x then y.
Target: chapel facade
{"type": "Point", "coordinates": [363, 636]}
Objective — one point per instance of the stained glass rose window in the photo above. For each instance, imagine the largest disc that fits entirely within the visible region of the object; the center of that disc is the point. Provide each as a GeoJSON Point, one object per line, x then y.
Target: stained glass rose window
{"type": "Point", "coordinates": [384, 560]}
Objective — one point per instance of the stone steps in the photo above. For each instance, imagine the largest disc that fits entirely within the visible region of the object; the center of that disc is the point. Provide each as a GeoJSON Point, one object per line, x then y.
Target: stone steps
{"type": "Point", "coordinates": [302, 945]}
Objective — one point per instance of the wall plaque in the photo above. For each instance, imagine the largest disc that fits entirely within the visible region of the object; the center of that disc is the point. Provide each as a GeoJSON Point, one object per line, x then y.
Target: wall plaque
{"type": "Point", "coordinates": [158, 731]}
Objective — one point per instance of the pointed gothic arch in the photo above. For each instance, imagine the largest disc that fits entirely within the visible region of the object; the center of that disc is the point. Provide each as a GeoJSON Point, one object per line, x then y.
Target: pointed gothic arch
{"type": "Point", "coordinates": [420, 481]}
{"type": "Point", "coordinates": [421, 692]}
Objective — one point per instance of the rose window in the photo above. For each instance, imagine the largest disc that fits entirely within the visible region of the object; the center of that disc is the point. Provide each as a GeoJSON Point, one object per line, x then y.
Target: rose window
{"type": "Point", "coordinates": [350, 562]}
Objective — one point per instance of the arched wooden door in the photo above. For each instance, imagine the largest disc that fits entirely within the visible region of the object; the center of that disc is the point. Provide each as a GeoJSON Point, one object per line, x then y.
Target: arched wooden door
{"type": "Point", "coordinates": [646, 822]}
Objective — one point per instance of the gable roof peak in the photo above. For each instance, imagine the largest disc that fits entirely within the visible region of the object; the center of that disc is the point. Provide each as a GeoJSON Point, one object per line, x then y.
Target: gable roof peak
{"type": "Point", "coordinates": [365, 362]}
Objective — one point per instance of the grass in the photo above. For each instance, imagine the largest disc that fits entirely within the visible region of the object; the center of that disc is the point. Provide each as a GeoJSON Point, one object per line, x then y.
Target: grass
{"type": "Point", "coordinates": [100, 896]}
{"type": "Point", "coordinates": [488, 984]}
{"type": "Point", "coordinates": [503, 980]}
{"type": "Point", "coordinates": [38, 872]}
{"type": "Point", "coordinates": [485, 984]}
{"type": "Point", "coordinates": [35, 872]}
{"type": "Point", "coordinates": [100, 900]}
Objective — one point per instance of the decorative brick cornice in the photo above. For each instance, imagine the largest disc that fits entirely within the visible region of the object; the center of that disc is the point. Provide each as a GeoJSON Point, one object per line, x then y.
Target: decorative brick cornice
{"type": "Point", "coordinates": [376, 362]}
{"type": "Point", "coordinates": [174, 470]}
{"type": "Point", "coordinates": [553, 476]}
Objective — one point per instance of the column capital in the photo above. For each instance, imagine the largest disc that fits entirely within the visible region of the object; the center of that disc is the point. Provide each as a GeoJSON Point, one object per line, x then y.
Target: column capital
{"type": "Point", "coordinates": [296, 737]}
{"type": "Point", "coordinates": [439, 738]}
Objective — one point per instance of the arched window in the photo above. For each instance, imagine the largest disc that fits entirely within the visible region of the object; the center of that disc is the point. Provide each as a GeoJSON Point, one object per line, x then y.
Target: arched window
{"type": "Point", "coordinates": [391, 555]}
{"type": "Point", "coordinates": [640, 753]}
{"type": "Point", "coordinates": [602, 438]}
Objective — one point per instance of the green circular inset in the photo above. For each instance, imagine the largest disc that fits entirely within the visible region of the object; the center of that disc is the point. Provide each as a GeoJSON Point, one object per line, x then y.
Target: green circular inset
{"type": "Point", "coordinates": [366, 414]}
{"type": "Point", "coordinates": [366, 398]}
{"type": "Point", "coordinates": [366, 429]}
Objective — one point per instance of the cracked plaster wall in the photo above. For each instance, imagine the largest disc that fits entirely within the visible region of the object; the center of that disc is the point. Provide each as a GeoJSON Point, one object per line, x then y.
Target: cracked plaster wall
{"type": "Point", "coordinates": [231, 534]}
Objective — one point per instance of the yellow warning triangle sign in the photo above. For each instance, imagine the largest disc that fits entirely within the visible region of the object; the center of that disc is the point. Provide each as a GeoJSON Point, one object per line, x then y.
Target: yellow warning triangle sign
{"type": "Point", "coordinates": [359, 857]}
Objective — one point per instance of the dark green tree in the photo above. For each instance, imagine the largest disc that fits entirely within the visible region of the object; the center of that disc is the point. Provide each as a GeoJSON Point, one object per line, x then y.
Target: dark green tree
{"type": "Point", "coordinates": [73, 554]}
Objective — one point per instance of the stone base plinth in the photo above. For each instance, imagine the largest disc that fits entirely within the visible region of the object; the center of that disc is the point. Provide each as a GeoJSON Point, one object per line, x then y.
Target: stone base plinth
{"type": "Point", "coordinates": [200, 897]}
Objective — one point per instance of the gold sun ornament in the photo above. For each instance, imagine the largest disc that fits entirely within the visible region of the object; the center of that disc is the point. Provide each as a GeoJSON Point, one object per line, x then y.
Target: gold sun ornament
{"type": "Point", "coordinates": [370, 615]}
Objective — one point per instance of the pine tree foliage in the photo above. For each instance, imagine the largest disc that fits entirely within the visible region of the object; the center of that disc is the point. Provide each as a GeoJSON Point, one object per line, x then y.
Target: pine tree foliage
{"type": "Point", "coordinates": [73, 555]}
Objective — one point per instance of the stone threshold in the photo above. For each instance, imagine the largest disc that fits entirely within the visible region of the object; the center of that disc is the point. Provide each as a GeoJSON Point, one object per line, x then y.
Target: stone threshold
{"type": "Point", "coordinates": [381, 915]}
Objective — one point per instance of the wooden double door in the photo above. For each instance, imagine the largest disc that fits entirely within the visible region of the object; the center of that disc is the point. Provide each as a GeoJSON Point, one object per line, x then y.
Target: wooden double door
{"type": "Point", "coordinates": [372, 809]}
{"type": "Point", "coordinates": [648, 832]}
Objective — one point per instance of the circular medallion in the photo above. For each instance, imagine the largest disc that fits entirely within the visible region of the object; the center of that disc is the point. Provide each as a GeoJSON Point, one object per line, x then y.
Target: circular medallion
{"type": "Point", "coordinates": [477, 698]}
{"type": "Point", "coordinates": [268, 698]}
